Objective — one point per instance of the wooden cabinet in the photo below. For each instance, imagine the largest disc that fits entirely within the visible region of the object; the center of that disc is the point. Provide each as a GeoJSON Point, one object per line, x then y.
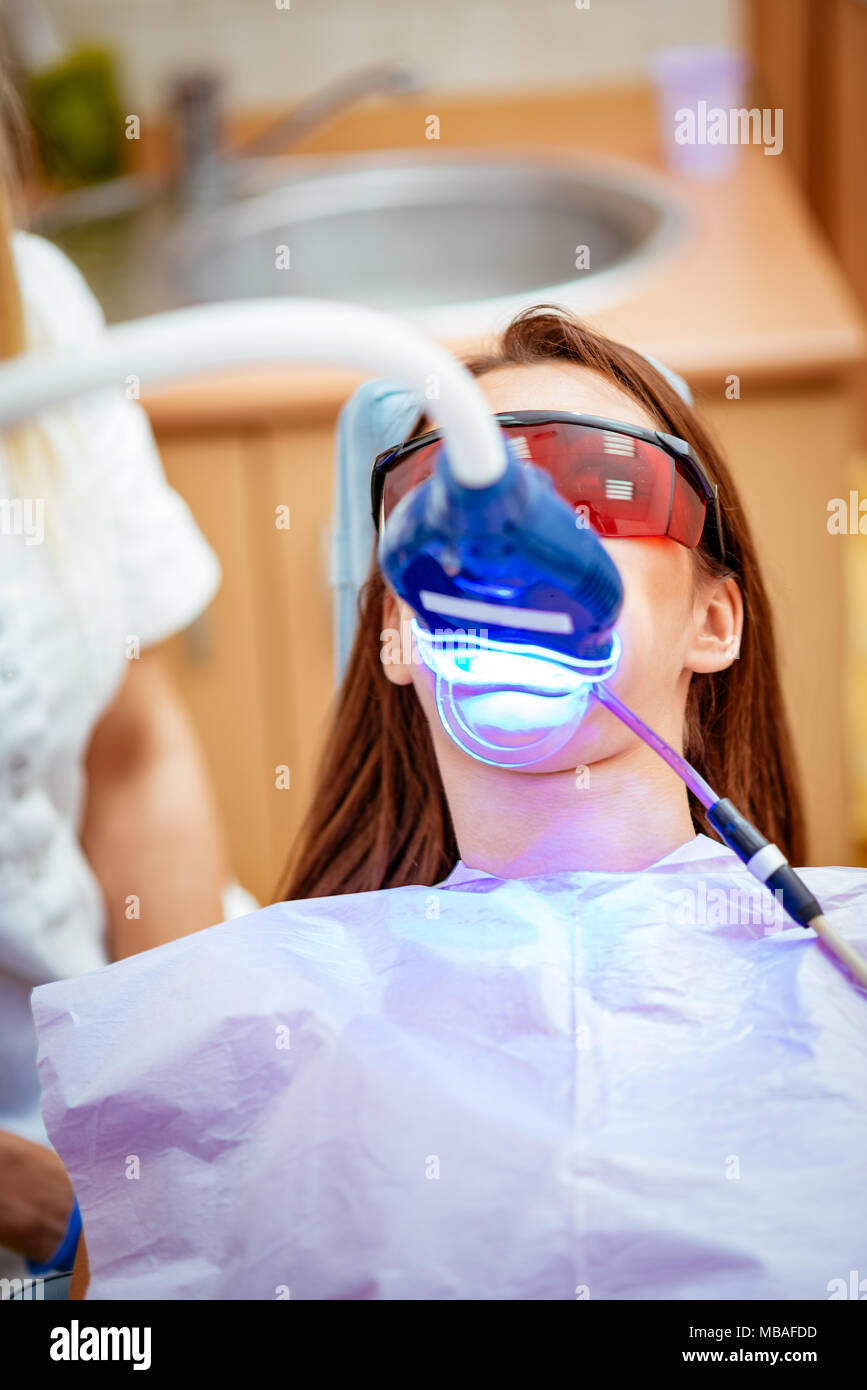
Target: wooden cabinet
{"type": "Point", "coordinates": [256, 669]}
{"type": "Point", "coordinates": [811, 57]}
{"type": "Point", "coordinates": [789, 451]}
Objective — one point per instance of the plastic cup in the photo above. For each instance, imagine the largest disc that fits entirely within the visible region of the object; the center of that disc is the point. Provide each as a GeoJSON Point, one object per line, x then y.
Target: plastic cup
{"type": "Point", "coordinates": [700, 81]}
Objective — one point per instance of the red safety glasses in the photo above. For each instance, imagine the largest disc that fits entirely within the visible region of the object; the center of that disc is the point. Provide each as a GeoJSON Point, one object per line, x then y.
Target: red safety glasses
{"type": "Point", "coordinates": [631, 481]}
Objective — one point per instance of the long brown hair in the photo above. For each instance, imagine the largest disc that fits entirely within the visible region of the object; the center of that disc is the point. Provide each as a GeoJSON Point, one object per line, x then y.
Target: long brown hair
{"type": "Point", "coordinates": [379, 817]}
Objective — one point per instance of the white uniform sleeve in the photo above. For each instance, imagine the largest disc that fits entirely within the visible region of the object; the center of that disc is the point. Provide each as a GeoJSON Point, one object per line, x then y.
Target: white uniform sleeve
{"type": "Point", "coordinates": [167, 571]}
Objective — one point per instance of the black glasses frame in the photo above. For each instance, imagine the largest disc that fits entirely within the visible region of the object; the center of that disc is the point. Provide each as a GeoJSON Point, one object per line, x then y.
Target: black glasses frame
{"type": "Point", "coordinates": [683, 454]}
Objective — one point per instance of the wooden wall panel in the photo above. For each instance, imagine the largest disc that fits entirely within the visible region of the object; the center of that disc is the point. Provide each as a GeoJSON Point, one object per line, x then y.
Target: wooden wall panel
{"type": "Point", "coordinates": [788, 453]}
{"type": "Point", "coordinates": [219, 664]}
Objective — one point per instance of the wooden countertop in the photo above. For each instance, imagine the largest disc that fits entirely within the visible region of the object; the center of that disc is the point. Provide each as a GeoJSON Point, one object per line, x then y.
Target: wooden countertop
{"type": "Point", "coordinates": [755, 291]}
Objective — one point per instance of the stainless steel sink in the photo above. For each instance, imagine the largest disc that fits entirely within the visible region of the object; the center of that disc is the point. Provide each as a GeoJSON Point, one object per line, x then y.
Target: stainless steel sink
{"type": "Point", "coordinates": [455, 242]}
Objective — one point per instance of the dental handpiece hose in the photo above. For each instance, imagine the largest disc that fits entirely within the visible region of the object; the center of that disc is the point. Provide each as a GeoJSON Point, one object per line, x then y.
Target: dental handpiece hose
{"type": "Point", "coordinates": [766, 862]}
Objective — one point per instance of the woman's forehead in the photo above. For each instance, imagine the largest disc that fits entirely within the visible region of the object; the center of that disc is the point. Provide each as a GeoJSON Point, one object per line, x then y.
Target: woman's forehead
{"type": "Point", "coordinates": [561, 386]}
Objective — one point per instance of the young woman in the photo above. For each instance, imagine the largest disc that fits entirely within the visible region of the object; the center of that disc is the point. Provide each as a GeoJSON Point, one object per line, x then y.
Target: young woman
{"type": "Point", "coordinates": [516, 1033]}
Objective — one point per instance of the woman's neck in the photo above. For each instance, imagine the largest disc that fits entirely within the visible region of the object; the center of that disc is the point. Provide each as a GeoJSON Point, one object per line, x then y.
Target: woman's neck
{"type": "Point", "coordinates": [619, 816]}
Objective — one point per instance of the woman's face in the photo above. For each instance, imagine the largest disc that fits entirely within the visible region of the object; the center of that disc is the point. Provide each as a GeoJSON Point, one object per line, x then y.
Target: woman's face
{"type": "Point", "coordinates": [672, 624]}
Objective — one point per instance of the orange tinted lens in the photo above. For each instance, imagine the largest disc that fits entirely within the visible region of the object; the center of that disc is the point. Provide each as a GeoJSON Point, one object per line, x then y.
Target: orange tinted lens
{"type": "Point", "coordinates": [626, 487]}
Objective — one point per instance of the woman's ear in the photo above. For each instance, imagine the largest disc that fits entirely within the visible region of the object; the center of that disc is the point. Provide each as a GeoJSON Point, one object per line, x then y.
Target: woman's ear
{"type": "Point", "coordinates": [718, 616]}
{"type": "Point", "coordinates": [396, 644]}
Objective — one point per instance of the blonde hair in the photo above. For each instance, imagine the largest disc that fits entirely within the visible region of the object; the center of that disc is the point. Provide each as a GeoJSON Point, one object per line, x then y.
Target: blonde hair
{"type": "Point", "coordinates": [30, 455]}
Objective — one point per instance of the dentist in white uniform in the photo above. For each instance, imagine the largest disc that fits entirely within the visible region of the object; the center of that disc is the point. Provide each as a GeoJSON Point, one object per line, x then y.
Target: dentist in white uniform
{"type": "Point", "coordinates": [103, 799]}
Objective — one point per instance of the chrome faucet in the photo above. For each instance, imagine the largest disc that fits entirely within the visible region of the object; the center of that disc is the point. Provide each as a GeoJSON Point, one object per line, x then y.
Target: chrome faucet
{"type": "Point", "coordinates": [329, 102]}
{"type": "Point", "coordinates": [210, 174]}
{"type": "Point", "coordinates": [209, 171]}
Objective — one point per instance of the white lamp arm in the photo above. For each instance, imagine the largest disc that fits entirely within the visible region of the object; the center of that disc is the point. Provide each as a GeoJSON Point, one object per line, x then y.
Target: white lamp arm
{"type": "Point", "coordinates": [183, 342]}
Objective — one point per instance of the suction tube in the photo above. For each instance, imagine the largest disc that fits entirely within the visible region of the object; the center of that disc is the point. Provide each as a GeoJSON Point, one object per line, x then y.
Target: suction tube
{"type": "Point", "coordinates": [765, 861]}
